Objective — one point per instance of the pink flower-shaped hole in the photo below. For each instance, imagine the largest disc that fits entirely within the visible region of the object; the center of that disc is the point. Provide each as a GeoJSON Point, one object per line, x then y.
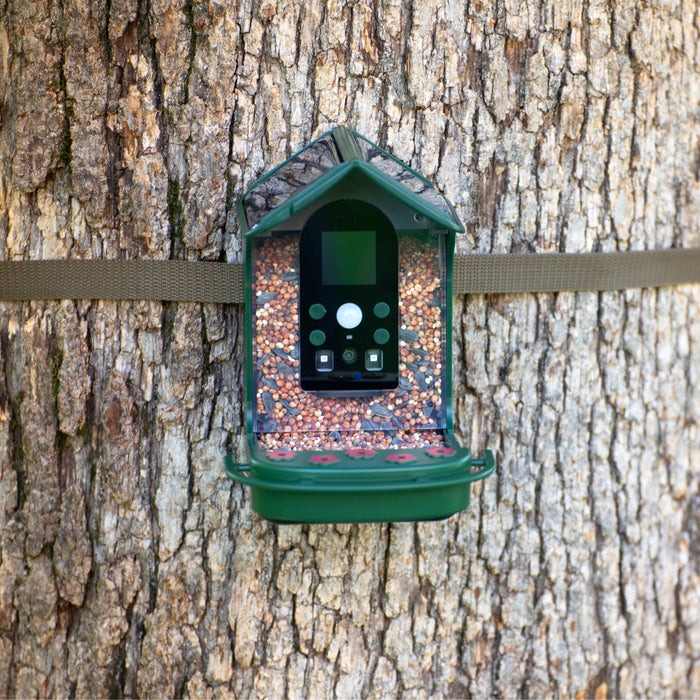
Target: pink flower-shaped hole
{"type": "Point", "coordinates": [440, 452]}
{"type": "Point", "coordinates": [279, 455]}
{"type": "Point", "coordinates": [401, 457]}
{"type": "Point", "coordinates": [323, 459]}
{"type": "Point", "coordinates": [361, 453]}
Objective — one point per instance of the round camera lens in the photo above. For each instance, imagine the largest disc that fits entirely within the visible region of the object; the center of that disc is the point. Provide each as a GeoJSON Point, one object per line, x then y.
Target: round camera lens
{"type": "Point", "coordinates": [349, 355]}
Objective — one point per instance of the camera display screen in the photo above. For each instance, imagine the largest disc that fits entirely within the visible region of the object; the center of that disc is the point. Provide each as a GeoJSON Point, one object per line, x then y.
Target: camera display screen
{"type": "Point", "coordinates": [348, 300]}
{"type": "Point", "coordinates": [348, 258]}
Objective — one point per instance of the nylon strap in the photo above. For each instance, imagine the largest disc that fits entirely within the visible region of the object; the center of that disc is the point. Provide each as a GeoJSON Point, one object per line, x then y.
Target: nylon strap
{"type": "Point", "coordinates": [574, 272]}
{"type": "Point", "coordinates": [223, 283]}
{"type": "Point", "coordinates": [163, 280]}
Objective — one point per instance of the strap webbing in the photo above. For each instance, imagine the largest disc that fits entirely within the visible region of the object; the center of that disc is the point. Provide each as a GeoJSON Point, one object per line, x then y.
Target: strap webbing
{"type": "Point", "coordinates": [163, 280]}
{"type": "Point", "coordinates": [223, 283]}
{"type": "Point", "coordinates": [574, 272]}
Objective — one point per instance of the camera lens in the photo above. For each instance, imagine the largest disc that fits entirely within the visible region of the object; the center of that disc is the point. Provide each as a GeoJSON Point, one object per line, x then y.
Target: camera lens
{"type": "Point", "coordinates": [349, 355]}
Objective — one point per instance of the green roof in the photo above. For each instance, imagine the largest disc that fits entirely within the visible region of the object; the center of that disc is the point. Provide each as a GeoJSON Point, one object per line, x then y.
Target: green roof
{"type": "Point", "coordinates": [324, 164]}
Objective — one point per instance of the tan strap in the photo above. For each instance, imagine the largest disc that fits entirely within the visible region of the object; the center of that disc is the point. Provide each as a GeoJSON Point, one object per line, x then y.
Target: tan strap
{"type": "Point", "coordinates": [223, 283]}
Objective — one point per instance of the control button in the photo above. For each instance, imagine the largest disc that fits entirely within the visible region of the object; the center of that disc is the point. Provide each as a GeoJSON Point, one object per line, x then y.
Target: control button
{"type": "Point", "coordinates": [317, 311]}
{"type": "Point", "coordinates": [349, 355]}
{"type": "Point", "coordinates": [381, 309]}
{"type": "Point", "coordinates": [349, 315]}
{"type": "Point", "coordinates": [374, 360]}
{"type": "Point", "coordinates": [381, 336]}
{"type": "Point", "coordinates": [324, 360]}
{"type": "Point", "coordinates": [317, 338]}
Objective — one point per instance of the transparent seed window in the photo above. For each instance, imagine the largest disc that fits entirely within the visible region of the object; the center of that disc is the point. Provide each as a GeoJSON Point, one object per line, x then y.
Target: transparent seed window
{"type": "Point", "coordinates": [287, 418]}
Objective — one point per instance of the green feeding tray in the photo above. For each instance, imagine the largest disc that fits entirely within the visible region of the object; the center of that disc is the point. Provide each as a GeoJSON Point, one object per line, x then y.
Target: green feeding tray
{"type": "Point", "coordinates": [349, 323]}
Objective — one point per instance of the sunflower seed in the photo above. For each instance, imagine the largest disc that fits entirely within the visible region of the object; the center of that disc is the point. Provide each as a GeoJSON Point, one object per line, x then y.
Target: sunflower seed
{"type": "Point", "coordinates": [263, 360]}
{"type": "Point", "coordinates": [381, 411]}
{"type": "Point", "coordinates": [292, 410]}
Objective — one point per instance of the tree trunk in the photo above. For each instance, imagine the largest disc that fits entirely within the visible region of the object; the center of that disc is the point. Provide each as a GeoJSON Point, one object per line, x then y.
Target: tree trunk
{"type": "Point", "coordinates": [130, 565]}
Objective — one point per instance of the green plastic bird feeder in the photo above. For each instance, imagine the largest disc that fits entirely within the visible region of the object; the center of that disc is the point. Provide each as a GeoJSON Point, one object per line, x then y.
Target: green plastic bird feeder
{"type": "Point", "coordinates": [349, 323]}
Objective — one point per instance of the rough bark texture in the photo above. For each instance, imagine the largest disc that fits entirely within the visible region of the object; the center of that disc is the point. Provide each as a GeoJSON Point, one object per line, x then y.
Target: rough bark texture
{"type": "Point", "coordinates": [130, 565]}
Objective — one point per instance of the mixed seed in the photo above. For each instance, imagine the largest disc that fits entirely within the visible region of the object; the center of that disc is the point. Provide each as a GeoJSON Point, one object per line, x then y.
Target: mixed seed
{"type": "Point", "coordinates": [286, 417]}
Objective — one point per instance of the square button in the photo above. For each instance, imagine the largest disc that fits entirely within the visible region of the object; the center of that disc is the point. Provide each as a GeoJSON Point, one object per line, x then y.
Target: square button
{"type": "Point", "coordinates": [324, 360]}
{"type": "Point", "coordinates": [374, 360]}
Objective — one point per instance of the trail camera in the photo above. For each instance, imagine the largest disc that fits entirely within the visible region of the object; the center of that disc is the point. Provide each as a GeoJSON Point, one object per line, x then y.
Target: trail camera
{"type": "Point", "coordinates": [349, 325]}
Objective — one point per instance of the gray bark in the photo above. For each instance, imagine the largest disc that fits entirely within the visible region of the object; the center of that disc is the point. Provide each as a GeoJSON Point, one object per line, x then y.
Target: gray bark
{"type": "Point", "coordinates": [130, 565]}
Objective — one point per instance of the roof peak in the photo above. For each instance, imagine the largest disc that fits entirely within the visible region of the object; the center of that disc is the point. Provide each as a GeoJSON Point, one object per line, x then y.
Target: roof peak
{"type": "Point", "coordinates": [323, 164]}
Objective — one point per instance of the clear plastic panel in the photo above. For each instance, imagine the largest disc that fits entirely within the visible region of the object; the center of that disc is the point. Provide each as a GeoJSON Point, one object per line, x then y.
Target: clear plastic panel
{"type": "Point", "coordinates": [413, 415]}
{"type": "Point", "coordinates": [401, 173]}
{"type": "Point", "coordinates": [291, 177]}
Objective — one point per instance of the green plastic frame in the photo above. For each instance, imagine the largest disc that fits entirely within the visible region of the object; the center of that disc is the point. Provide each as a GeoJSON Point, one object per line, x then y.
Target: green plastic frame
{"type": "Point", "coordinates": [334, 485]}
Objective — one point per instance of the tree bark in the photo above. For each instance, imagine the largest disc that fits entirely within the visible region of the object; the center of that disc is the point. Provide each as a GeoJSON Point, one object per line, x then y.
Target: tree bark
{"type": "Point", "coordinates": [130, 565]}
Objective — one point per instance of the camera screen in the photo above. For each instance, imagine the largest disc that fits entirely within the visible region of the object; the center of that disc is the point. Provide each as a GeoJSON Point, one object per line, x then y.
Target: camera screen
{"type": "Point", "coordinates": [348, 257]}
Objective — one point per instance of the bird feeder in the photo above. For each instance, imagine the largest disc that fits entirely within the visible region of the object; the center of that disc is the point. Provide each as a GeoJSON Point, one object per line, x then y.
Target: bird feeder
{"type": "Point", "coordinates": [348, 341]}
